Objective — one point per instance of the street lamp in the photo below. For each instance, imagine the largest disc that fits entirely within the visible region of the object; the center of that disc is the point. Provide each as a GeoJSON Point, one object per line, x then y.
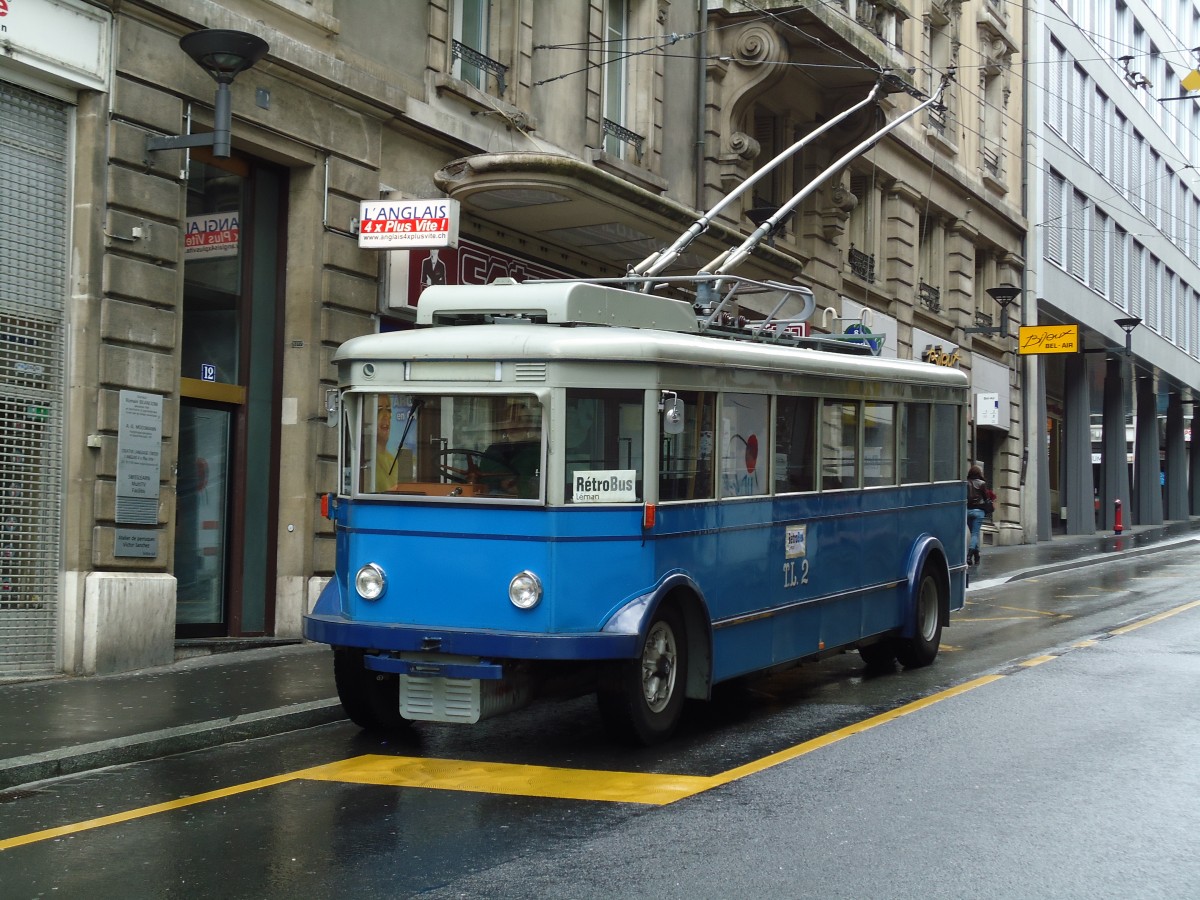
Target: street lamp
{"type": "Point", "coordinates": [223, 54]}
{"type": "Point", "coordinates": [1005, 294]}
{"type": "Point", "coordinates": [1127, 325]}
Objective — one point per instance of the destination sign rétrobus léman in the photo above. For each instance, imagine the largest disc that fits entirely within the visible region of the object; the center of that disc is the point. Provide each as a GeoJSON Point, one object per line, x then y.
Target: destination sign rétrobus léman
{"type": "Point", "coordinates": [404, 224]}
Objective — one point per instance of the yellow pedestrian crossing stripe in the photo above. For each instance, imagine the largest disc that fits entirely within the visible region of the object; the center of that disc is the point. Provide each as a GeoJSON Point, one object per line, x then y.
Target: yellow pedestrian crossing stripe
{"type": "Point", "coordinates": [514, 780]}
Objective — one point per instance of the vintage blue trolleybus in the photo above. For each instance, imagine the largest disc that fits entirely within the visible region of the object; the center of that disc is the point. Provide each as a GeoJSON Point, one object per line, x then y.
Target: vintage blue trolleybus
{"type": "Point", "coordinates": [572, 486]}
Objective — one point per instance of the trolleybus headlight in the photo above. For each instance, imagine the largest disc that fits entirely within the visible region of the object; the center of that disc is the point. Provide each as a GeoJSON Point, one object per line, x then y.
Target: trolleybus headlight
{"type": "Point", "coordinates": [525, 590]}
{"type": "Point", "coordinates": [370, 582]}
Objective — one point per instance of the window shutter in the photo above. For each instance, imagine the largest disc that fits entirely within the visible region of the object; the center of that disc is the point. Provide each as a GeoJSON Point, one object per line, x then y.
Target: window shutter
{"type": "Point", "coordinates": [1054, 218]}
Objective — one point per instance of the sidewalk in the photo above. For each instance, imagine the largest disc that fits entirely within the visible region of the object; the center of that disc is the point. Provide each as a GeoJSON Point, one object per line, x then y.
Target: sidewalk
{"type": "Point", "coordinates": [65, 725]}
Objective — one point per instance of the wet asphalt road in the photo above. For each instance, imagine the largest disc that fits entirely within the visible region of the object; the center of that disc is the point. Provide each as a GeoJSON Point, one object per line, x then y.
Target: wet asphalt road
{"type": "Point", "coordinates": [1067, 770]}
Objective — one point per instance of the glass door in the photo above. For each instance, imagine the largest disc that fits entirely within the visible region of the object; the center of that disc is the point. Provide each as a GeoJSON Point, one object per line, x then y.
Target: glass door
{"type": "Point", "coordinates": [201, 513]}
{"type": "Point", "coordinates": [229, 377]}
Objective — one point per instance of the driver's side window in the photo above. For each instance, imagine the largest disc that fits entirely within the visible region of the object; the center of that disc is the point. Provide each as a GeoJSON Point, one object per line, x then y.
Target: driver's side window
{"type": "Point", "coordinates": [603, 446]}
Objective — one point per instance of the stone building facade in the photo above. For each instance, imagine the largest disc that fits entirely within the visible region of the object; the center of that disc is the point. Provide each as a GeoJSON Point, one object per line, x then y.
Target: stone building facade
{"type": "Point", "coordinates": [167, 403]}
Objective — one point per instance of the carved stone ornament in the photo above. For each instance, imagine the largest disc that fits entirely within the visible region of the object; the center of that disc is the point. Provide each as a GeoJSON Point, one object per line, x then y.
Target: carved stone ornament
{"type": "Point", "coordinates": [842, 199]}
{"type": "Point", "coordinates": [743, 146]}
{"type": "Point", "coordinates": [756, 45]}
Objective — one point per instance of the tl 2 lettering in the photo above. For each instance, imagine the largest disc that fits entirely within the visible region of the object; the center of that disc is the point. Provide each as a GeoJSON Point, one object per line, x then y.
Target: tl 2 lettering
{"type": "Point", "coordinates": [790, 577]}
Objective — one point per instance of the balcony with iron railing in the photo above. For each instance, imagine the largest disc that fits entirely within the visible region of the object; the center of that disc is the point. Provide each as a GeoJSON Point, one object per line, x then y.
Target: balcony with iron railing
{"type": "Point", "coordinates": [862, 265]}
{"type": "Point", "coordinates": [624, 135]}
{"type": "Point", "coordinates": [476, 63]}
{"type": "Point", "coordinates": [929, 297]}
{"type": "Point", "coordinates": [937, 119]}
{"type": "Point", "coordinates": [991, 162]}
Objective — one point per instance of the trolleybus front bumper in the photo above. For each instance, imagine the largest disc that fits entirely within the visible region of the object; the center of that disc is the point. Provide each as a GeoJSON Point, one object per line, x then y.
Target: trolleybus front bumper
{"type": "Point", "coordinates": [384, 638]}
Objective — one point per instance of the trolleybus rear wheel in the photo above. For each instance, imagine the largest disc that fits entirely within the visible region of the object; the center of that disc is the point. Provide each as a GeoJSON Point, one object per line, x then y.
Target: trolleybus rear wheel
{"type": "Point", "coordinates": [643, 698]}
{"type": "Point", "coordinates": [922, 648]}
{"type": "Point", "coordinates": [371, 699]}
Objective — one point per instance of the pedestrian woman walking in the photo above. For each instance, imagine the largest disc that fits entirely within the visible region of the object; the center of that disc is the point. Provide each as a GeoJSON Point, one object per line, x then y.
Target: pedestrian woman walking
{"type": "Point", "coordinates": [979, 505]}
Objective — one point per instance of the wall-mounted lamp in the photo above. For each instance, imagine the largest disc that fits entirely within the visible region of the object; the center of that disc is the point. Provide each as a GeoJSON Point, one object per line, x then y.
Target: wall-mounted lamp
{"type": "Point", "coordinates": [1005, 294]}
{"type": "Point", "coordinates": [223, 54]}
{"type": "Point", "coordinates": [1127, 325]}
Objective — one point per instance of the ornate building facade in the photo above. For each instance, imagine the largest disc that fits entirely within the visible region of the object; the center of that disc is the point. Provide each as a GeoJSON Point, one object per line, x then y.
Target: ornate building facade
{"type": "Point", "coordinates": [171, 308]}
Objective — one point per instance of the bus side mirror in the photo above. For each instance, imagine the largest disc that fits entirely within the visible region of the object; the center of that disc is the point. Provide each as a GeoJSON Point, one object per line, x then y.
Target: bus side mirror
{"type": "Point", "coordinates": [672, 415]}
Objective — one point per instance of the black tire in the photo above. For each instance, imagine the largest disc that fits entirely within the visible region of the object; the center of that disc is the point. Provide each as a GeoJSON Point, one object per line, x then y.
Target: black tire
{"type": "Point", "coordinates": [922, 648]}
{"type": "Point", "coordinates": [642, 699]}
{"type": "Point", "coordinates": [879, 656]}
{"type": "Point", "coordinates": [371, 699]}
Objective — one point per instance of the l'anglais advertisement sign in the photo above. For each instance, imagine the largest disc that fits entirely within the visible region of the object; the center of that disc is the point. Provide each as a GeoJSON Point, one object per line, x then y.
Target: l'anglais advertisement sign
{"type": "Point", "coordinates": [405, 224]}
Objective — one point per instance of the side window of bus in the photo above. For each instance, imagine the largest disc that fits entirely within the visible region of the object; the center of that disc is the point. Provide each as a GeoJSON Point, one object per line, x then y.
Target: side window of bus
{"type": "Point", "coordinates": [350, 408]}
{"type": "Point", "coordinates": [946, 464]}
{"type": "Point", "coordinates": [686, 460]}
{"type": "Point", "coordinates": [879, 444]}
{"type": "Point", "coordinates": [603, 446]}
{"type": "Point", "coordinates": [915, 455]}
{"type": "Point", "coordinates": [744, 419]}
{"type": "Point", "coordinates": [379, 462]}
{"type": "Point", "coordinates": [795, 444]}
{"type": "Point", "coordinates": [839, 444]}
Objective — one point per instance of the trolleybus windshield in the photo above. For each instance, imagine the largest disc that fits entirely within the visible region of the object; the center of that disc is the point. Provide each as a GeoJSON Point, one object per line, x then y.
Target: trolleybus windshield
{"type": "Point", "coordinates": [474, 445]}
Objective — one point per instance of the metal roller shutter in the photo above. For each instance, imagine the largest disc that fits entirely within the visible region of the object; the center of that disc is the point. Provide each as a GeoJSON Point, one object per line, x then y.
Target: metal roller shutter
{"type": "Point", "coordinates": [33, 265]}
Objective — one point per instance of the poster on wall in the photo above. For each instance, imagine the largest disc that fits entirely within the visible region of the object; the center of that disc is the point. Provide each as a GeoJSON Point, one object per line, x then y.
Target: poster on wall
{"type": "Point", "coordinates": [411, 271]}
{"type": "Point", "coordinates": [211, 236]}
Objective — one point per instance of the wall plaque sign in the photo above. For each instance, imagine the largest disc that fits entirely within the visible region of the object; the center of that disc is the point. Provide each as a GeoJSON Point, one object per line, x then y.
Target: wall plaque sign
{"type": "Point", "coordinates": [139, 455]}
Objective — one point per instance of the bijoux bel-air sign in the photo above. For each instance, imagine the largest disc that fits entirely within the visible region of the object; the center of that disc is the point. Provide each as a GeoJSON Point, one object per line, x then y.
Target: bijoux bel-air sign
{"type": "Point", "coordinates": [1048, 339]}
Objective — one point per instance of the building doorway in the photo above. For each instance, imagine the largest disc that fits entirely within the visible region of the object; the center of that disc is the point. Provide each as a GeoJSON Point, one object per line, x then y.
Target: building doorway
{"type": "Point", "coordinates": [229, 398]}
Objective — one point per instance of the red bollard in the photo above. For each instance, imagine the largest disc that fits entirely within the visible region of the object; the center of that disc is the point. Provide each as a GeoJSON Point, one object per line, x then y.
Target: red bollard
{"type": "Point", "coordinates": [1117, 516]}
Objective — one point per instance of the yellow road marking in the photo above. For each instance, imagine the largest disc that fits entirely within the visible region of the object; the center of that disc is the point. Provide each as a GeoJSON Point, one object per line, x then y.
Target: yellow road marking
{"type": "Point", "coordinates": [513, 779]}
{"type": "Point", "coordinates": [1036, 661]}
{"type": "Point", "coordinates": [1150, 621]}
{"type": "Point", "coordinates": [544, 781]}
{"type": "Point", "coordinates": [581, 784]}
{"type": "Point", "coordinates": [142, 812]}
{"type": "Point", "coordinates": [841, 734]}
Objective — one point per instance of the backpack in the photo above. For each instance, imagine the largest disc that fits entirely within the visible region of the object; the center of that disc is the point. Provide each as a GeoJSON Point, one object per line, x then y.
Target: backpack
{"type": "Point", "coordinates": [981, 498]}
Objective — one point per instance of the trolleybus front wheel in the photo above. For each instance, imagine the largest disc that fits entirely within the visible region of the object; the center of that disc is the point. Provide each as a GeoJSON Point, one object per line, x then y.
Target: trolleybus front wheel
{"type": "Point", "coordinates": [371, 699]}
{"type": "Point", "coordinates": [642, 698]}
{"type": "Point", "coordinates": [922, 648]}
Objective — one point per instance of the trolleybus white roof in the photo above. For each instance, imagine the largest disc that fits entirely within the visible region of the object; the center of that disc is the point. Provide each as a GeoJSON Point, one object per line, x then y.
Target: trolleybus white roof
{"type": "Point", "coordinates": [611, 325]}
